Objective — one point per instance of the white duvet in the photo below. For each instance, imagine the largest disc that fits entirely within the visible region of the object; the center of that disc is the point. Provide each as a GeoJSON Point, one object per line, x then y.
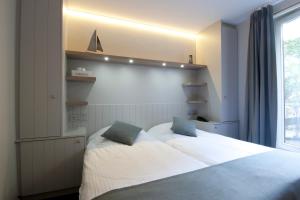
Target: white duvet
{"type": "Point", "coordinates": [207, 147]}
{"type": "Point", "coordinates": [109, 165]}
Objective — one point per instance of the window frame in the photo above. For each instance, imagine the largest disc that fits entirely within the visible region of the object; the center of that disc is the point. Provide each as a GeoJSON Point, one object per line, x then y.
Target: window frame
{"type": "Point", "coordinates": [279, 20]}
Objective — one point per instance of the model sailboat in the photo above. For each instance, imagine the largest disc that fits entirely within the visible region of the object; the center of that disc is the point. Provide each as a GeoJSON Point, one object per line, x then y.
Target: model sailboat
{"type": "Point", "coordinates": [95, 44]}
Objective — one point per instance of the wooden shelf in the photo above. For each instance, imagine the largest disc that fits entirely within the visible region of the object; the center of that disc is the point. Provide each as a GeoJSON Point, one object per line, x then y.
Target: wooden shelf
{"type": "Point", "coordinates": [76, 103]}
{"type": "Point", "coordinates": [196, 101]}
{"type": "Point", "coordinates": [125, 60]}
{"type": "Point", "coordinates": [194, 84]}
{"type": "Point", "coordinates": [81, 78]}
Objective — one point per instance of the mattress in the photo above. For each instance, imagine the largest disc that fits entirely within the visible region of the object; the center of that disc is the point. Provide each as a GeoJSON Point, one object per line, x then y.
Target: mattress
{"type": "Point", "coordinates": [109, 165]}
{"type": "Point", "coordinates": [207, 147]}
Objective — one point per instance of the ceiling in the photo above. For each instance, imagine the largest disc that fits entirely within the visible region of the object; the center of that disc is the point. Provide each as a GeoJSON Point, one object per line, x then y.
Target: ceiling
{"type": "Point", "coordinates": [192, 15]}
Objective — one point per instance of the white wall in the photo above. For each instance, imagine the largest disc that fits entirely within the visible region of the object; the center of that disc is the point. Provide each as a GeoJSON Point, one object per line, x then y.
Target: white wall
{"type": "Point", "coordinates": [123, 41]}
{"type": "Point", "coordinates": [217, 48]}
{"type": "Point", "coordinates": [8, 171]}
{"type": "Point", "coordinates": [209, 53]}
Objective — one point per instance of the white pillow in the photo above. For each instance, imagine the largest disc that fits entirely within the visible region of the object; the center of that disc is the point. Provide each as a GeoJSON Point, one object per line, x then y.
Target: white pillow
{"type": "Point", "coordinates": [162, 132]}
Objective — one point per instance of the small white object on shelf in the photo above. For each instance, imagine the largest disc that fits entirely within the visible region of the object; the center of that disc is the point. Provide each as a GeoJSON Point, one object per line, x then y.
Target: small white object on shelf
{"type": "Point", "coordinates": [81, 73]}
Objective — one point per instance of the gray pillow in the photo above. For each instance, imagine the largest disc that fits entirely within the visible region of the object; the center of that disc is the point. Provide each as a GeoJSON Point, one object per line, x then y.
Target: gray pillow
{"type": "Point", "coordinates": [184, 127]}
{"type": "Point", "coordinates": [122, 132]}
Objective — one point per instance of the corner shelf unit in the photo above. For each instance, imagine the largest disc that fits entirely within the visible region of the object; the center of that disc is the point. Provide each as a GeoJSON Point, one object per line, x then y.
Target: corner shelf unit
{"type": "Point", "coordinates": [81, 79]}
{"type": "Point", "coordinates": [125, 60]}
{"type": "Point", "coordinates": [76, 103]}
{"type": "Point", "coordinates": [194, 84]}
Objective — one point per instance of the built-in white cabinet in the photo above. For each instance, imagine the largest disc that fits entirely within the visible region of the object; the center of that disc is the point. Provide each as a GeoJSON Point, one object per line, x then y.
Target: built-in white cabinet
{"type": "Point", "coordinates": [48, 162]}
{"type": "Point", "coordinates": [40, 68]}
{"type": "Point", "coordinates": [229, 129]}
{"type": "Point", "coordinates": [229, 75]}
{"type": "Point", "coordinates": [51, 165]}
{"type": "Point", "coordinates": [217, 48]}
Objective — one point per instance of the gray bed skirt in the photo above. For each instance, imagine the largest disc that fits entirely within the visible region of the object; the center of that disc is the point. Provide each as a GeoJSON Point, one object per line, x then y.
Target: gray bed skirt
{"type": "Point", "coordinates": [273, 175]}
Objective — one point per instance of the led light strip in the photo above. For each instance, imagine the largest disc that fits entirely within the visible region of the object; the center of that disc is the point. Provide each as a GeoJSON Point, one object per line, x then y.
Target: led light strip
{"type": "Point", "coordinates": [130, 24]}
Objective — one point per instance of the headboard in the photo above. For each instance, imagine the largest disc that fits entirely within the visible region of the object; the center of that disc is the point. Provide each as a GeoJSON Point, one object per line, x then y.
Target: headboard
{"type": "Point", "coordinates": [143, 115]}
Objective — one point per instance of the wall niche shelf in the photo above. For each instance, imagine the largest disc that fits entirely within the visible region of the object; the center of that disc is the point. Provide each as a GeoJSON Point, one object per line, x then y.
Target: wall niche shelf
{"type": "Point", "coordinates": [194, 84]}
{"type": "Point", "coordinates": [76, 103]}
{"type": "Point", "coordinates": [126, 60]}
{"type": "Point", "coordinates": [196, 101]}
{"type": "Point", "coordinates": [81, 79]}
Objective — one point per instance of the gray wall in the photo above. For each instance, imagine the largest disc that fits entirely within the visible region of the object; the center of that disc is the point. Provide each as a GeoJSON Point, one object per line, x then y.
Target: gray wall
{"type": "Point", "coordinates": [132, 84]}
{"type": "Point", "coordinates": [8, 171]}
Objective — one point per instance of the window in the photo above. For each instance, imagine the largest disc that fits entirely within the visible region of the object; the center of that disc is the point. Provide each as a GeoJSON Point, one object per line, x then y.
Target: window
{"type": "Point", "coordinates": [287, 30]}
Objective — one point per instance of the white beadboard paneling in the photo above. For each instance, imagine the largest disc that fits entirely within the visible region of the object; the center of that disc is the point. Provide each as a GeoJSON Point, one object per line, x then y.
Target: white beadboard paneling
{"type": "Point", "coordinates": [143, 115]}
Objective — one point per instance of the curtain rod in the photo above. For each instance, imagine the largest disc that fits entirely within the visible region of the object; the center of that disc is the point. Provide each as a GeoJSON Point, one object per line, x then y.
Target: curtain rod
{"type": "Point", "coordinates": [290, 8]}
{"type": "Point", "coordinates": [270, 2]}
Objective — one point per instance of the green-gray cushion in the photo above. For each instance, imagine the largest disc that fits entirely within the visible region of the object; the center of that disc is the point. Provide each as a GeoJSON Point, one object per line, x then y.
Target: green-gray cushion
{"type": "Point", "coordinates": [184, 127]}
{"type": "Point", "coordinates": [122, 133]}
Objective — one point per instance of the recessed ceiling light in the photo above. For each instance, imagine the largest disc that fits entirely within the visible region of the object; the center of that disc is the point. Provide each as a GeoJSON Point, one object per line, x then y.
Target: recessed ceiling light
{"type": "Point", "coordinates": [182, 66]}
{"type": "Point", "coordinates": [164, 64]}
{"type": "Point", "coordinates": [106, 58]}
{"type": "Point", "coordinates": [130, 61]}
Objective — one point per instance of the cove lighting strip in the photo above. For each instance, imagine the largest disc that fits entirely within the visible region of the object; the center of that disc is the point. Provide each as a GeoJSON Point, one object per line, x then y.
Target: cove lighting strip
{"type": "Point", "coordinates": [131, 24]}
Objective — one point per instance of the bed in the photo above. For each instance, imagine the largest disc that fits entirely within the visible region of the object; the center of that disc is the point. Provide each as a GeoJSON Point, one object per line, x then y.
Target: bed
{"type": "Point", "coordinates": [109, 165]}
{"type": "Point", "coordinates": [176, 167]}
{"type": "Point", "coordinates": [207, 147]}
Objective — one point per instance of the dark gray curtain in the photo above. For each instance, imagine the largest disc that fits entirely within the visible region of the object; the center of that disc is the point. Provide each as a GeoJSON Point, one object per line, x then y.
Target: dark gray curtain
{"type": "Point", "coordinates": [261, 85]}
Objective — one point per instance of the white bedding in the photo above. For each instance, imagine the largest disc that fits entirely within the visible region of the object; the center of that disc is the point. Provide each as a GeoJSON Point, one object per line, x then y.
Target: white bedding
{"type": "Point", "coordinates": [109, 165]}
{"type": "Point", "coordinates": [207, 147]}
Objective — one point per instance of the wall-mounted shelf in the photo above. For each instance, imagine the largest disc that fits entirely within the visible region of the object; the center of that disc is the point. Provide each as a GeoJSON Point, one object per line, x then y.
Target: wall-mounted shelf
{"type": "Point", "coordinates": [76, 103]}
{"type": "Point", "coordinates": [81, 78]}
{"type": "Point", "coordinates": [126, 60]}
{"type": "Point", "coordinates": [194, 84]}
{"type": "Point", "coordinates": [196, 101]}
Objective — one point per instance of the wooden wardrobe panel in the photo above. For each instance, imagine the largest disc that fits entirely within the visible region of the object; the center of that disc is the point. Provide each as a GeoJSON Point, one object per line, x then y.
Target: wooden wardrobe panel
{"type": "Point", "coordinates": [59, 167]}
{"type": "Point", "coordinates": [27, 69]}
{"type": "Point", "coordinates": [78, 159]}
{"type": "Point", "coordinates": [51, 165]}
{"type": "Point", "coordinates": [38, 155]}
{"type": "Point", "coordinates": [55, 52]}
{"type": "Point", "coordinates": [49, 172]}
{"type": "Point", "coordinates": [41, 68]}
{"type": "Point", "coordinates": [26, 161]}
